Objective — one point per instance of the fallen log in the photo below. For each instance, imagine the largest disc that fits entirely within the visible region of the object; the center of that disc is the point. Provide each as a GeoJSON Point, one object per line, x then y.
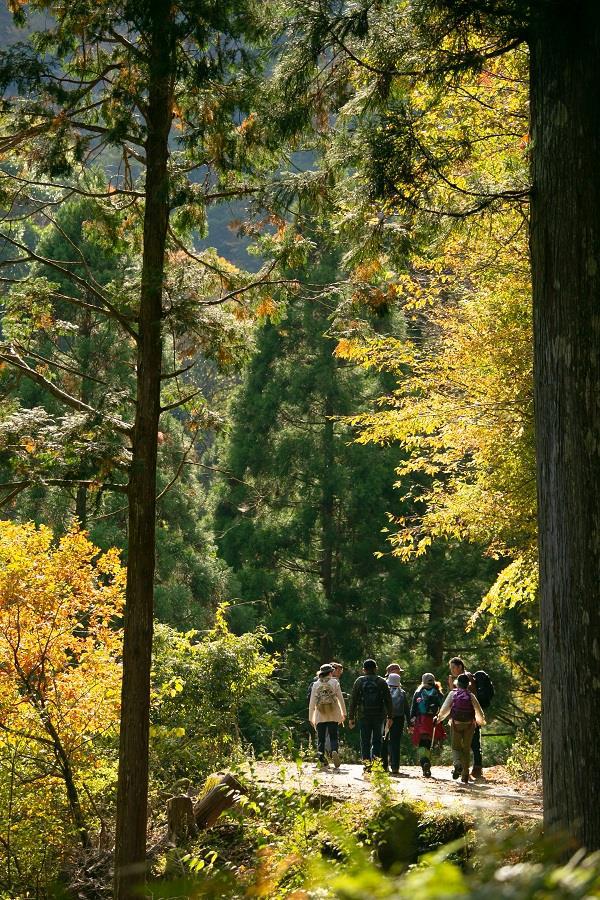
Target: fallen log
{"type": "Point", "coordinates": [223, 794]}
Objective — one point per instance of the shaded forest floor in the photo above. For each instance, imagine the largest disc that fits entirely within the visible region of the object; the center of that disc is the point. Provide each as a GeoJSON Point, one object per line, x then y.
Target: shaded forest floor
{"type": "Point", "coordinates": [497, 795]}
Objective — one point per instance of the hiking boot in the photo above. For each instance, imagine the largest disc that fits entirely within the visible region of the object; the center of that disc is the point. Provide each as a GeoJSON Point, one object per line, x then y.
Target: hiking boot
{"type": "Point", "coordinates": [335, 758]}
{"type": "Point", "coordinates": [457, 771]}
{"type": "Point", "coordinates": [426, 766]}
{"type": "Point", "coordinates": [465, 778]}
{"type": "Point", "coordinates": [395, 771]}
{"type": "Point", "coordinates": [477, 772]}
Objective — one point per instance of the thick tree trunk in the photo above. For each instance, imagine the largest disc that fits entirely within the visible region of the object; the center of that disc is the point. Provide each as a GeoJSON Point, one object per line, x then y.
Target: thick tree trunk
{"type": "Point", "coordinates": [565, 252]}
{"type": "Point", "coordinates": [130, 849]}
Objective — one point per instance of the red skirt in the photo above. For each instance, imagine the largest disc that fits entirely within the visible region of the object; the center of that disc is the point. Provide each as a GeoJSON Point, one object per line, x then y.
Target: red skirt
{"type": "Point", "coordinates": [424, 728]}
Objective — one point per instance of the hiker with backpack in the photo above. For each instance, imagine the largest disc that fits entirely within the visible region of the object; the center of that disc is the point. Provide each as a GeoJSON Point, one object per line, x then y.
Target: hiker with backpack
{"type": "Point", "coordinates": [462, 706]}
{"type": "Point", "coordinates": [371, 704]}
{"type": "Point", "coordinates": [326, 712]}
{"type": "Point", "coordinates": [390, 750]}
{"type": "Point", "coordinates": [426, 704]}
{"type": "Point", "coordinates": [481, 685]}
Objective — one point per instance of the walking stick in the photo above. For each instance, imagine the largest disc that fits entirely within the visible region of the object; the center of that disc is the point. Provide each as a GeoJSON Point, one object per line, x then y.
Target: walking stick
{"type": "Point", "coordinates": [433, 734]}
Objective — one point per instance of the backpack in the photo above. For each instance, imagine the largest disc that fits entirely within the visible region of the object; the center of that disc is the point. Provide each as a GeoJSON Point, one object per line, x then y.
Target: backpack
{"type": "Point", "coordinates": [371, 698]}
{"type": "Point", "coordinates": [428, 701]}
{"type": "Point", "coordinates": [325, 697]}
{"type": "Point", "coordinates": [462, 706]}
{"type": "Point", "coordinates": [484, 688]}
{"type": "Point", "coordinates": [398, 696]}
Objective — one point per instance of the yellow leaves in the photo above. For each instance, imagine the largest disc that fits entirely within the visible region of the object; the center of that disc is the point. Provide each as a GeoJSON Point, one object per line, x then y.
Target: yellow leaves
{"type": "Point", "coordinates": [247, 125]}
{"type": "Point", "coordinates": [462, 408]}
{"type": "Point", "coordinates": [267, 308]}
{"type": "Point", "coordinates": [345, 349]}
{"type": "Point", "coordinates": [58, 608]}
{"type": "Point", "coordinates": [28, 444]}
{"type": "Point", "coordinates": [366, 271]}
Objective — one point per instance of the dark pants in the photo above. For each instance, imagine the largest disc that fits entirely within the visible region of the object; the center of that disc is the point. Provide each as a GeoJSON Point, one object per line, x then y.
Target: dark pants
{"type": "Point", "coordinates": [371, 733]}
{"type": "Point", "coordinates": [390, 751]}
{"type": "Point", "coordinates": [476, 747]}
{"type": "Point", "coordinates": [322, 729]}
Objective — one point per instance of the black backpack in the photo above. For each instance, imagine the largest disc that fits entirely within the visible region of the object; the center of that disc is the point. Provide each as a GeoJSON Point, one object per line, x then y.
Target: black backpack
{"type": "Point", "coordinates": [484, 687]}
{"type": "Point", "coordinates": [371, 697]}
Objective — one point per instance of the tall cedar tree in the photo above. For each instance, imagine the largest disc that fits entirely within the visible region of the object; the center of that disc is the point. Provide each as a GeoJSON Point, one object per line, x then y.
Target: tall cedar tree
{"type": "Point", "coordinates": [388, 47]}
{"type": "Point", "coordinates": [167, 84]}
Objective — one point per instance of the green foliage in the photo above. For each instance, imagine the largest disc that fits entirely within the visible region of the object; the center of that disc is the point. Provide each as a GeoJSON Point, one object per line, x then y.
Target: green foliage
{"type": "Point", "coordinates": [525, 760]}
{"type": "Point", "coordinates": [200, 687]}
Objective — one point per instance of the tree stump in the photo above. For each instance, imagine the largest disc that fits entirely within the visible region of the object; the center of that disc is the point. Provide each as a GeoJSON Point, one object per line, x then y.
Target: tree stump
{"type": "Point", "coordinates": [180, 818]}
{"type": "Point", "coordinates": [225, 794]}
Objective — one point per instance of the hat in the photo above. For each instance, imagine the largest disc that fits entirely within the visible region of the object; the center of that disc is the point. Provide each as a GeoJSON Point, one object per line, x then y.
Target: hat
{"type": "Point", "coordinates": [369, 664]}
{"type": "Point", "coordinates": [325, 669]}
{"type": "Point", "coordinates": [428, 678]}
{"type": "Point", "coordinates": [394, 666]}
{"type": "Point", "coordinates": [393, 679]}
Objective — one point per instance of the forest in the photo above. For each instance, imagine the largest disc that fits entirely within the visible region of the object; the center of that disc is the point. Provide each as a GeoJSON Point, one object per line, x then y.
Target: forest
{"type": "Point", "coordinates": [299, 364]}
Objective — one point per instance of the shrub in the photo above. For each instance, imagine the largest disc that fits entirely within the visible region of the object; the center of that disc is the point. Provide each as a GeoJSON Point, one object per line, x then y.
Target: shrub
{"type": "Point", "coordinates": [525, 761]}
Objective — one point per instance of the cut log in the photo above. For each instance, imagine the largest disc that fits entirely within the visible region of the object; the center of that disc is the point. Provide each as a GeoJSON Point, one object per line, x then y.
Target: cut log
{"type": "Point", "coordinates": [225, 793]}
{"type": "Point", "coordinates": [180, 818]}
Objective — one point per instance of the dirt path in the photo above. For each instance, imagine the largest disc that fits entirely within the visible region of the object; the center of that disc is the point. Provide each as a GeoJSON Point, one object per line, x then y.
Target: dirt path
{"type": "Point", "coordinates": [495, 795]}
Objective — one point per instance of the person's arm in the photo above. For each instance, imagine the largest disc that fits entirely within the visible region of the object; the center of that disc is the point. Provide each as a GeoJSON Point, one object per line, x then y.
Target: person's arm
{"type": "Point", "coordinates": [406, 710]}
{"type": "Point", "coordinates": [312, 706]}
{"type": "Point", "coordinates": [479, 716]}
{"type": "Point", "coordinates": [446, 707]}
{"type": "Point", "coordinates": [413, 707]}
{"type": "Point", "coordinates": [387, 697]}
{"type": "Point", "coordinates": [340, 697]}
{"type": "Point", "coordinates": [354, 700]}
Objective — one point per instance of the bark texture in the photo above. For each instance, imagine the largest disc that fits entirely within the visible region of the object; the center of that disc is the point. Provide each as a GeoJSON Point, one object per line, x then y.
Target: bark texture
{"type": "Point", "coordinates": [565, 252]}
{"type": "Point", "coordinates": [130, 849]}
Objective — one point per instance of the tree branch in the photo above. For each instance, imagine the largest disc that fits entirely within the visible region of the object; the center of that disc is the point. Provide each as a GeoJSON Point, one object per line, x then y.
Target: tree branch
{"type": "Point", "coordinates": [10, 356]}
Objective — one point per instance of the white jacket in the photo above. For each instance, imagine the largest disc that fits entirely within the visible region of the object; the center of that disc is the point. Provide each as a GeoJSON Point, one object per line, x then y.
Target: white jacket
{"type": "Point", "coordinates": [316, 715]}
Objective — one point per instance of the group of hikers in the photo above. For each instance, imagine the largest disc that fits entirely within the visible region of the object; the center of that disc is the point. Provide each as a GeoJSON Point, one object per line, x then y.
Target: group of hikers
{"type": "Point", "coordinates": [380, 707]}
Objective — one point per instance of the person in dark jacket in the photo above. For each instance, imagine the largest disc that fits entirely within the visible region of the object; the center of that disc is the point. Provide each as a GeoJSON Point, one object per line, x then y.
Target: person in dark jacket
{"type": "Point", "coordinates": [390, 750]}
{"type": "Point", "coordinates": [371, 704]}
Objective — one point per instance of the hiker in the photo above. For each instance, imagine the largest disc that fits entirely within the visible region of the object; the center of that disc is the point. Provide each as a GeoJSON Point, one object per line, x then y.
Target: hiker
{"type": "Point", "coordinates": [326, 712]}
{"type": "Point", "coordinates": [481, 685]}
{"type": "Point", "coordinates": [426, 703]}
{"type": "Point", "coordinates": [394, 669]}
{"type": "Point", "coordinates": [371, 703]}
{"type": "Point", "coordinates": [390, 750]}
{"type": "Point", "coordinates": [338, 671]}
{"type": "Point", "coordinates": [466, 714]}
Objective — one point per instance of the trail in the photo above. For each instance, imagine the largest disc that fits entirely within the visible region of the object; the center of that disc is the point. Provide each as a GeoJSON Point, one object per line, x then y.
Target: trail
{"type": "Point", "coordinates": [494, 796]}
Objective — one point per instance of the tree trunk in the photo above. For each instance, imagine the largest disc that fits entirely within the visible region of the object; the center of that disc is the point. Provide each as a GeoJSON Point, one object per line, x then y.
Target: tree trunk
{"type": "Point", "coordinates": [327, 511]}
{"type": "Point", "coordinates": [436, 629]}
{"type": "Point", "coordinates": [180, 818]}
{"type": "Point", "coordinates": [565, 253]}
{"type": "Point", "coordinates": [130, 849]}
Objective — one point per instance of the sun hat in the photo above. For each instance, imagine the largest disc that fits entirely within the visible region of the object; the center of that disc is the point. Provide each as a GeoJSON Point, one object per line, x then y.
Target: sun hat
{"type": "Point", "coordinates": [396, 666]}
{"type": "Point", "coordinates": [393, 679]}
{"type": "Point", "coordinates": [325, 669]}
{"type": "Point", "coordinates": [428, 678]}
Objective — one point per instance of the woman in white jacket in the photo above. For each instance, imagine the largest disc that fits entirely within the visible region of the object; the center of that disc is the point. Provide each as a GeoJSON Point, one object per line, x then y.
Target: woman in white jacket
{"type": "Point", "coordinates": [326, 712]}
